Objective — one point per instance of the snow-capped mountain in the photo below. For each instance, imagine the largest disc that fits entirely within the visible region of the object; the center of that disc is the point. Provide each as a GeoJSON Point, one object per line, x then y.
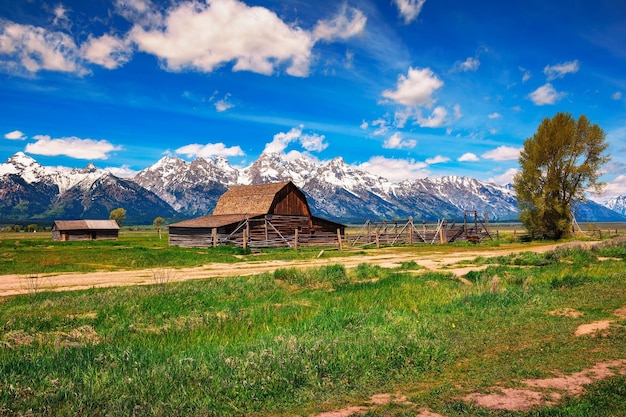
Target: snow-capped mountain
{"type": "Point", "coordinates": [174, 188]}
{"type": "Point", "coordinates": [335, 189]}
{"type": "Point", "coordinates": [32, 192]}
{"type": "Point", "coordinates": [617, 204]}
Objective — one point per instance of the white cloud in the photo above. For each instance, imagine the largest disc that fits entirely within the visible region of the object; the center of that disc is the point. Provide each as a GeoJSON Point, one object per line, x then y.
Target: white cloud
{"type": "Point", "coordinates": [395, 141]}
{"type": "Point", "coordinates": [60, 15]}
{"type": "Point", "coordinates": [416, 88]}
{"type": "Point", "coordinates": [15, 135]}
{"type": "Point", "coordinates": [122, 172]}
{"type": "Point", "coordinates": [617, 95]}
{"type": "Point", "coordinates": [436, 119]}
{"type": "Point", "coordinates": [347, 23]}
{"type": "Point", "coordinates": [494, 116]}
{"type": "Point", "coordinates": [204, 36]}
{"type": "Point", "coordinates": [364, 125]}
{"type": "Point", "coordinates": [468, 157]}
{"type": "Point", "coordinates": [525, 74]}
{"type": "Point", "coordinates": [470, 64]}
{"type": "Point", "coordinates": [546, 94]}
{"type": "Point", "coordinates": [613, 188]}
{"type": "Point", "coordinates": [107, 51]}
{"type": "Point", "coordinates": [503, 153]}
{"type": "Point", "coordinates": [313, 143]}
{"type": "Point", "coordinates": [560, 70]}
{"type": "Point", "coordinates": [195, 150]}
{"type": "Point", "coordinates": [437, 160]}
{"type": "Point", "coordinates": [310, 142]}
{"type": "Point", "coordinates": [409, 9]}
{"type": "Point", "coordinates": [71, 146]}
{"type": "Point", "coordinates": [36, 49]}
{"type": "Point", "coordinates": [382, 127]}
{"type": "Point", "coordinates": [505, 178]}
{"type": "Point", "coordinates": [395, 169]}
{"type": "Point", "coordinates": [223, 104]}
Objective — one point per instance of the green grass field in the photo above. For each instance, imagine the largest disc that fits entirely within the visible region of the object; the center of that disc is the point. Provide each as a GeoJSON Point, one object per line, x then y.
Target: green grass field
{"type": "Point", "coordinates": [299, 342]}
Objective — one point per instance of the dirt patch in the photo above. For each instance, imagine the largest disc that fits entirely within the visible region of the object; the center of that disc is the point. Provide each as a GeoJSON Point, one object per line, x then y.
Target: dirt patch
{"type": "Point", "coordinates": [592, 328]}
{"type": "Point", "coordinates": [375, 401]}
{"type": "Point", "coordinates": [547, 391]}
{"type": "Point", "coordinates": [620, 313]}
{"type": "Point", "coordinates": [566, 312]}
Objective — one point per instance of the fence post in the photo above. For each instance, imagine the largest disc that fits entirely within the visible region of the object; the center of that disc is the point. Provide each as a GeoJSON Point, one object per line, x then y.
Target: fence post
{"type": "Point", "coordinates": [245, 239]}
{"type": "Point", "coordinates": [340, 245]}
{"type": "Point", "coordinates": [295, 243]}
{"type": "Point", "coordinates": [214, 234]}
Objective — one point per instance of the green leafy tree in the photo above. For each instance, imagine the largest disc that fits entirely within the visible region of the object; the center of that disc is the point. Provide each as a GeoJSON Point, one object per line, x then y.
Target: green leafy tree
{"type": "Point", "coordinates": [118, 214]}
{"type": "Point", "coordinates": [157, 222]}
{"type": "Point", "coordinates": [558, 165]}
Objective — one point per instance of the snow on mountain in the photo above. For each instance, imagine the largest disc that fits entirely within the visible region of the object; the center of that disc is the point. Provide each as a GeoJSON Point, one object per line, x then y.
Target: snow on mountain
{"type": "Point", "coordinates": [617, 204]}
{"type": "Point", "coordinates": [335, 190]}
{"type": "Point", "coordinates": [274, 167]}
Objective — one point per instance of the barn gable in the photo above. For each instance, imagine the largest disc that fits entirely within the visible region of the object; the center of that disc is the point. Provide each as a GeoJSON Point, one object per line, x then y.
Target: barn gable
{"type": "Point", "coordinates": [275, 214]}
{"type": "Point", "coordinates": [282, 198]}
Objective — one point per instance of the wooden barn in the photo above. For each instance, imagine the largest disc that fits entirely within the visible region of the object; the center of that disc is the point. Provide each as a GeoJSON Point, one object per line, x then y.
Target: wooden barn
{"type": "Point", "coordinates": [264, 215]}
{"type": "Point", "coordinates": [66, 230]}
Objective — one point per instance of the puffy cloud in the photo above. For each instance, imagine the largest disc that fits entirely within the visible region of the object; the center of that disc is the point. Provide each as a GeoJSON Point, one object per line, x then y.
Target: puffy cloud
{"type": "Point", "coordinates": [613, 188]}
{"type": "Point", "coordinates": [409, 9]}
{"type": "Point", "coordinates": [395, 169]}
{"type": "Point", "coordinates": [223, 104]}
{"type": "Point", "coordinates": [494, 116]}
{"type": "Point", "coordinates": [503, 153]}
{"type": "Point", "coordinates": [347, 23]}
{"type": "Point", "coordinates": [204, 36]}
{"type": "Point", "coordinates": [208, 150]}
{"type": "Point", "coordinates": [107, 51]}
{"type": "Point", "coordinates": [617, 95]}
{"type": "Point", "coordinates": [381, 127]}
{"type": "Point", "coordinates": [71, 146]}
{"type": "Point", "coordinates": [505, 178]}
{"type": "Point", "coordinates": [560, 70]}
{"type": "Point", "coordinates": [437, 160]}
{"type": "Point", "coordinates": [436, 119]}
{"type": "Point", "coordinates": [470, 64]}
{"type": "Point", "coordinates": [364, 125]}
{"type": "Point", "coordinates": [546, 94]}
{"type": "Point", "coordinates": [416, 88]}
{"type": "Point", "coordinates": [122, 172]}
{"type": "Point", "coordinates": [312, 143]}
{"type": "Point", "coordinates": [395, 141]}
{"type": "Point", "coordinates": [15, 135]}
{"type": "Point", "coordinates": [36, 49]}
{"type": "Point", "coordinates": [468, 157]}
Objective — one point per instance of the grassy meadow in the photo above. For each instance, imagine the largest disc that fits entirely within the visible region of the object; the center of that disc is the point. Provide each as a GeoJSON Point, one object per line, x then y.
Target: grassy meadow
{"type": "Point", "coordinates": [304, 341]}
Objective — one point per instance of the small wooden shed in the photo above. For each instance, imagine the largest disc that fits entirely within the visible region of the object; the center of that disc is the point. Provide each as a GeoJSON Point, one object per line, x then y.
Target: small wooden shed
{"type": "Point", "coordinates": [66, 230]}
{"type": "Point", "coordinates": [264, 215]}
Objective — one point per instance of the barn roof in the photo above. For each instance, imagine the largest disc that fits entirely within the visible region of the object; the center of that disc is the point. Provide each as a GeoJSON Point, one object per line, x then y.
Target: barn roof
{"type": "Point", "coordinates": [248, 199]}
{"type": "Point", "coordinates": [213, 221]}
{"type": "Point", "coordinates": [86, 225]}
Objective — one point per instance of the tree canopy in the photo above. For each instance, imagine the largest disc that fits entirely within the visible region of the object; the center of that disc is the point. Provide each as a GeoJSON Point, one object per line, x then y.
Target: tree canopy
{"type": "Point", "coordinates": [118, 214]}
{"type": "Point", "coordinates": [557, 166]}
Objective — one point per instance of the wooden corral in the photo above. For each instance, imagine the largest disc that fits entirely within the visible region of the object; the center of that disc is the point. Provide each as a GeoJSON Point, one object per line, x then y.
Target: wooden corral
{"type": "Point", "coordinates": [266, 215]}
{"type": "Point", "coordinates": [406, 232]}
{"type": "Point", "coordinates": [67, 230]}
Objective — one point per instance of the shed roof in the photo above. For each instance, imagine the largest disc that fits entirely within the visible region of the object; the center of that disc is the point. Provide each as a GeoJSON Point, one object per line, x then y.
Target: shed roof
{"type": "Point", "coordinates": [247, 199]}
{"type": "Point", "coordinates": [86, 225]}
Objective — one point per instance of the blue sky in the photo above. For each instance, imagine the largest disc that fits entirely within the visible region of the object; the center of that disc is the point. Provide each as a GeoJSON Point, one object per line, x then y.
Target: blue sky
{"type": "Point", "coordinates": [401, 88]}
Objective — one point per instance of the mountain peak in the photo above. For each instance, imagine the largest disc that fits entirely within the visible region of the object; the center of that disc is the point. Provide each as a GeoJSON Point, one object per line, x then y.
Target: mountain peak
{"type": "Point", "coordinates": [20, 160]}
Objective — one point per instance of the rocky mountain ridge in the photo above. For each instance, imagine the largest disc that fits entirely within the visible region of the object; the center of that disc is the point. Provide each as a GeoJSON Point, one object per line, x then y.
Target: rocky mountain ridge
{"type": "Point", "coordinates": [174, 188]}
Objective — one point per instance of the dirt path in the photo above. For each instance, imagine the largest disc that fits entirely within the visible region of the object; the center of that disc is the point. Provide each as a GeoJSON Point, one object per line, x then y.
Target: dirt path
{"type": "Point", "coordinates": [434, 261]}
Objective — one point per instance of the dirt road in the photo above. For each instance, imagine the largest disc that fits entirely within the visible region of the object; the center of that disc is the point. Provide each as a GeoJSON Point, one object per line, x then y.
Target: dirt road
{"type": "Point", "coordinates": [435, 261]}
